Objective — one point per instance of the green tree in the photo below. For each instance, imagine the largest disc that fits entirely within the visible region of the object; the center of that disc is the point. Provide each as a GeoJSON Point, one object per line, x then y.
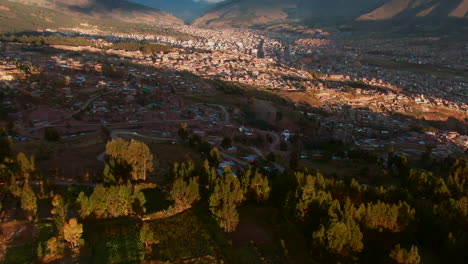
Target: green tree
{"type": "Point", "coordinates": [215, 157]}
{"type": "Point", "coordinates": [184, 193]}
{"type": "Point", "coordinates": [29, 202]}
{"type": "Point", "coordinates": [72, 232]}
{"type": "Point", "coordinates": [310, 188]}
{"type": "Point", "coordinates": [404, 256]}
{"type": "Point", "coordinates": [59, 212]}
{"type": "Point", "coordinates": [226, 196]}
{"type": "Point", "coordinates": [134, 158]}
{"type": "Point", "coordinates": [25, 166]}
{"type": "Point", "coordinates": [260, 187]}
{"type": "Point", "coordinates": [340, 237]}
{"type": "Point", "coordinates": [54, 249]}
{"type": "Point", "coordinates": [140, 158]}
{"type": "Point", "coordinates": [113, 201]}
{"type": "Point", "coordinates": [146, 235]}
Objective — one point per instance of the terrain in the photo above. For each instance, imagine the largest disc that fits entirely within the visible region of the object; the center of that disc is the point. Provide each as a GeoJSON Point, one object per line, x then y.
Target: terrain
{"type": "Point", "coordinates": [22, 15]}
{"type": "Point", "coordinates": [395, 13]}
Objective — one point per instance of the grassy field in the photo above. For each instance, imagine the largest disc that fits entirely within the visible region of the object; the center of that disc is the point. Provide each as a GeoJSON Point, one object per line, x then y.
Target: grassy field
{"type": "Point", "coordinates": [80, 159]}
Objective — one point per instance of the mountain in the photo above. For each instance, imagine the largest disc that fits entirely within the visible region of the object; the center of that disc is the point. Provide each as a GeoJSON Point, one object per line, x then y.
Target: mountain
{"type": "Point", "coordinates": [41, 14]}
{"type": "Point", "coordinates": [396, 12]}
{"type": "Point", "coordinates": [401, 9]}
{"type": "Point", "coordinates": [248, 13]}
{"type": "Point", "coordinates": [187, 10]}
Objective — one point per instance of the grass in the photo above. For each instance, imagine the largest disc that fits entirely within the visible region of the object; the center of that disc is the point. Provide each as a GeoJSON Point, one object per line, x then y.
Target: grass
{"type": "Point", "coordinates": [183, 236]}
{"type": "Point", "coordinates": [26, 253]}
{"type": "Point", "coordinates": [114, 240]}
{"type": "Point", "coordinates": [80, 158]}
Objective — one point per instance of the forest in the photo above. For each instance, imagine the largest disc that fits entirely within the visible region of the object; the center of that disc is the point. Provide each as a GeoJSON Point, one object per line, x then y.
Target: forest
{"type": "Point", "coordinates": [194, 213]}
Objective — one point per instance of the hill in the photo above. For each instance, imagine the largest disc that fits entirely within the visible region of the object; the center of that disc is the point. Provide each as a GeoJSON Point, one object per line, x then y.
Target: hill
{"type": "Point", "coordinates": [19, 15]}
{"type": "Point", "coordinates": [401, 9]}
{"type": "Point", "coordinates": [248, 13]}
{"type": "Point", "coordinates": [338, 12]}
{"type": "Point", "coordinates": [187, 10]}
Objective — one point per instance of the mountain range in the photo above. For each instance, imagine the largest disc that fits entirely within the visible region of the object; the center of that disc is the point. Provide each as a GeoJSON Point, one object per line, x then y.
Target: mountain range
{"type": "Point", "coordinates": [17, 15]}
{"type": "Point", "coordinates": [250, 12]}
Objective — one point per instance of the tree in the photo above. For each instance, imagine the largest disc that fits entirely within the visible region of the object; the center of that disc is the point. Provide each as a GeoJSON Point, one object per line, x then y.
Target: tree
{"type": "Point", "coordinates": [140, 158]}
{"type": "Point", "coordinates": [59, 211]}
{"type": "Point", "coordinates": [25, 166]}
{"type": "Point", "coordinates": [134, 158]}
{"type": "Point", "coordinates": [113, 201]}
{"type": "Point", "coordinates": [54, 249]}
{"type": "Point", "coordinates": [29, 202]}
{"type": "Point", "coordinates": [260, 187]}
{"type": "Point", "coordinates": [215, 157]}
{"type": "Point", "coordinates": [146, 235]}
{"type": "Point", "coordinates": [72, 232]}
{"type": "Point", "coordinates": [340, 237]}
{"type": "Point", "coordinates": [184, 193]}
{"type": "Point", "coordinates": [226, 196]}
{"type": "Point", "coordinates": [183, 131]}
{"type": "Point", "coordinates": [310, 189]}
{"type": "Point", "coordinates": [404, 256]}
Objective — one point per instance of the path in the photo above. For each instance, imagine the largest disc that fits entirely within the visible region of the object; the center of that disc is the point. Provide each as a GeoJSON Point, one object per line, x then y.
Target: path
{"type": "Point", "coordinates": [82, 108]}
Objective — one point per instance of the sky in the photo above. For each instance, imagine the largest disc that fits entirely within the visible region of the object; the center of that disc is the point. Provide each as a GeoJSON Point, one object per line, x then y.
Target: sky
{"type": "Point", "coordinates": [184, 9]}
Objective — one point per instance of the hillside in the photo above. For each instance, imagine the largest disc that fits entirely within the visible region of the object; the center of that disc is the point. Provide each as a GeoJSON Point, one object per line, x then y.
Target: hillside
{"type": "Point", "coordinates": [397, 12]}
{"type": "Point", "coordinates": [248, 13]}
{"type": "Point", "coordinates": [187, 10]}
{"type": "Point", "coordinates": [405, 9]}
{"type": "Point", "coordinates": [38, 15]}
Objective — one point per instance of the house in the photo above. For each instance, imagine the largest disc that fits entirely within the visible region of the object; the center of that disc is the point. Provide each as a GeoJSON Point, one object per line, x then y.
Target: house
{"type": "Point", "coordinates": [250, 158]}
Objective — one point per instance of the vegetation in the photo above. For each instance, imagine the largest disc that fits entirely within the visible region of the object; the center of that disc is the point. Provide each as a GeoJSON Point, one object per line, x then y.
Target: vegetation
{"type": "Point", "coordinates": [72, 232]}
{"type": "Point", "coordinates": [144, 47]}
{"type": "Point", "coordinates": [226, 197]}
{"type": "Point", "coordinates": [29, 202]}
{"type": "Point", "coordinates": [310, 215]}
{"type": "Point", "coordinates": [134, 157]}
{"type": "Point", "coordinates": [114, 201]}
